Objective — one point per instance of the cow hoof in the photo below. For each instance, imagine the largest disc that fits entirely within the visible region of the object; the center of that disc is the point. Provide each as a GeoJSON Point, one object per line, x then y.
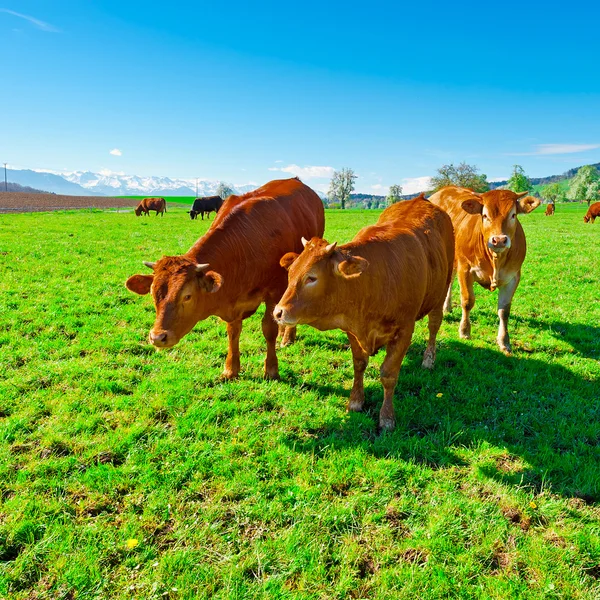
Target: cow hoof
{"type": "Point", "coordinates": [272, 375]}
{"type": "Point", "coordinates": [229, 375]}
{"type": "Point", "coordinates": [506, 350]}
{"type": "Point", "coordinates": [386, 424]}
{"type": "Point", "coordinates": [464, 336]}
{"type": "Point", "coordinates": [428, 361]}
{"type": "Point", "coordinates": [355, 406]}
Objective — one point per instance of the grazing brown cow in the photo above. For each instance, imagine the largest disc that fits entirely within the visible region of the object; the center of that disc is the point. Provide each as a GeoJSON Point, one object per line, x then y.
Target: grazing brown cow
{"type": "Point", "coordinates": [490, 248]}
{"type": "Point", "coordinates": [148, 204]}
{"type": "Point", "coordinates": [374, 288]}
{"type": "Point", "coordinates": [234, 267]}
{"type": "Point", "coordinates": [550, 209]}
{"type": "Point", "coordinates": [592, 213]}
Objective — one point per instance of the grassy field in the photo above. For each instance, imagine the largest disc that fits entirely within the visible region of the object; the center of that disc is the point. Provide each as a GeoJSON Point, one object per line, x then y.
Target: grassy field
{"type": "Point", "coordinates": [131, 473]}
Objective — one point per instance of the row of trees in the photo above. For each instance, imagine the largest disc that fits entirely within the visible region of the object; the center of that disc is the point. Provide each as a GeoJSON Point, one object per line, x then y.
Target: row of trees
{"type": "Point", "coordinates": [584, 186]}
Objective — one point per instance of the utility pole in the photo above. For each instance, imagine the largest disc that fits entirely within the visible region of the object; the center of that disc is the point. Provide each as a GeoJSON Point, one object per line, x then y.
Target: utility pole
{"type": "Point", "coordinates": [5, 180]}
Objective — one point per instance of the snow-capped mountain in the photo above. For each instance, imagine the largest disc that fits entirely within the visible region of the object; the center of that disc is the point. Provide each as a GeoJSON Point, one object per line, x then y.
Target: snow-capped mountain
{"type": "Point", "coordinates": [119, 184]}
{"type": "Point", "coordinates": [87, 183]}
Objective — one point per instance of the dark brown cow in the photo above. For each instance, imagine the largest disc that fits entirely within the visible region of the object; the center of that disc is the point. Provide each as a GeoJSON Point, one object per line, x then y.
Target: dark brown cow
{"type": "Point", "coordinates": [550, 209]}
{"type": "Point", "coordinates": [375, 288]}
{"type": "Point", "coordinates": [592, 213]}
{"type": "Point", "coordinates": [490, 248]}
{"type": "Point", "coordinates": [234, 267]}
{"type": "Point", "coordinates": [147, 204]}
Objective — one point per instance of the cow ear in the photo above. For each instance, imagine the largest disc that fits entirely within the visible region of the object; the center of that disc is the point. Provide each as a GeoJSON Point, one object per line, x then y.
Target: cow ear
{"type": "Point", "coordinates": [140, 284]}
{"type": "Point", "coordinates": [352, 267]}
{"type": "Point", "coordinates": [210, 282]}
{"type": "Point", "coordinates": [527, 204]}
{"type": "Point", "coordinates": [287, 260]}
{"type": "Point", "coordinates": [472, 206]}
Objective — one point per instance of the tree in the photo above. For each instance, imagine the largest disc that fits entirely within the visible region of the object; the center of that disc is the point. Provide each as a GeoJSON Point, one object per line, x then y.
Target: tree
{"type": "Point", "coordinates": [518, 182]}
{"type": "Point", "coordinates": [584, 186]}
{"type": "Point", "coordinates": [224, 190]}
{"type": "Point", "coordinates": [341, 186]}
{"type": "Point", "coordinates": [553, 193]}
{"type": "Point", "coordinates": [394, 194]}
{"type": "Point", "coordinates": [463, 175]}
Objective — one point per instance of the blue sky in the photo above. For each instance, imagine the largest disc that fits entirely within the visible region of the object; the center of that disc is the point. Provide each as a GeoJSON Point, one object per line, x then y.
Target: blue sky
{"type": "Point", "coordinates": [246, 93]}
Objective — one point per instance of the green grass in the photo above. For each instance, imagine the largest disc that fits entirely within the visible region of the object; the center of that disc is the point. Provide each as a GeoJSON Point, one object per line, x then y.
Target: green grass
{"type": "Point", "coordinates": [488, 488]}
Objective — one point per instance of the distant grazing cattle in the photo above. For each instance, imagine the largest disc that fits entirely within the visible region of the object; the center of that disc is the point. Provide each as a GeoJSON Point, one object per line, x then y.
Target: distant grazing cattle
{"type": "Point", "coordinates": [490, 248]}
{"type": "Point", "coordinates": [592, 213]}
{"type": "Point", "coordinates": [147, 204]}
{"type": "Point", "coordinates": [233, 268]}
{"type": "Point", "coordinates": [205, 205]}
{"type": "Point", "coordinates": [374, 288]}
{"type": "Point", "coordinates": [550, 209]}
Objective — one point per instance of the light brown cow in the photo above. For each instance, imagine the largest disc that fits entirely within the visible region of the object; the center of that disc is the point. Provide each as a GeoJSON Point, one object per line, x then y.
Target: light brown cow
{"type": "Point", "coordinates": [550, 209]}
{"type": "Point", "coordinates": [147, 204]}
{"type": "Point", "coordinates": [490, 248]}
{"type": "Point", "coordinates": [592, 213]}
{"type": "Point", "coordinates": [233, 268]}
{"type": "Point", "coordinates": [375, 288]}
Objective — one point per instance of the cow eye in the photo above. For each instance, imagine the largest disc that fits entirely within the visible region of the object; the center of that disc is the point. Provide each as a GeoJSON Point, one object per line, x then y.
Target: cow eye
{"type": "Point", "coordinates": [310, 279]}
{"type": "Point", "coordinates": [514, 216]}
{"type": "Point", "coordinates": [187, 297]}
{"type": "Point", "coordinates": [484, 217]}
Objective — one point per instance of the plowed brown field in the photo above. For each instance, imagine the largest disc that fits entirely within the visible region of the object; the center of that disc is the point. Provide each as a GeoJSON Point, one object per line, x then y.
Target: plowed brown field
{"type": "Point", "coordinates": [11, 202]}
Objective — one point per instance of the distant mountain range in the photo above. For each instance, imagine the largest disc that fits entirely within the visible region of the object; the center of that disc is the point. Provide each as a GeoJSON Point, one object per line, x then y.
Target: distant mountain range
{"type": "Point", "coordinates": [86, 183]}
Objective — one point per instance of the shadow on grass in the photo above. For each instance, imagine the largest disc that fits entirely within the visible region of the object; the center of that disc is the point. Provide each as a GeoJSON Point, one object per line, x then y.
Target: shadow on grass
{"type": "Point", "coordinates": [585, 339]}
{"type": "Point", "coordinates": [542, 413]}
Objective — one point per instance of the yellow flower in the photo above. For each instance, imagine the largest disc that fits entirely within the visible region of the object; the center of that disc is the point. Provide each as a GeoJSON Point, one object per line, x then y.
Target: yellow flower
{"type": "Point", "coordinates": [533, 504]}
{"type": "Point", "coordinates": [439, 395]}
{"type": "Point", "coordinates": [131, 543]}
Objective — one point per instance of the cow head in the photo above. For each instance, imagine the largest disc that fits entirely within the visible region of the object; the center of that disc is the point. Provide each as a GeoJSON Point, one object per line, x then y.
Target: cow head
{"type": "Point", "coordinates": [181, 290]}
{"type": "Point", "coordinates": [313, 278]}
{"type": "Point", "coordinates": [499, 210]}
{"type": "Point", "coordinates": [586, 219]}
{"type": "Point", "coordinates": [138, 210]}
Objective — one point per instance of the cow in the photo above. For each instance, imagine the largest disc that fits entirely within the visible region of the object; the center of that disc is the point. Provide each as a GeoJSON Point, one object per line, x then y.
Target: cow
{"type": "Point", "coordinates": [490, 248]}
{"type": "Point", "coordinates": [147, 204]}
{"type": "Point", "coordinates": [592, 213]}
{"type": "Point", "coordinates": [550, 209]}
{"type": "Point", "coordinates": [205, 205]}
{"type": "Point", "coordinates": [233, 268]}
{"type": "Point", "coordinates": [374, 288]}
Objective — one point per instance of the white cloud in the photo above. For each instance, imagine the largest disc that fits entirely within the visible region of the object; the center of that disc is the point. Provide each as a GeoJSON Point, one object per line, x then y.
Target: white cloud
{"type": "Point", "coordinates": [39, 24]}
{"type": "Point", "coordinates": [115, 152]}
{"type": "Point", "coordinates": [380, 189]}
{"type": "Point", "coordinates": [545, 149]}
{"type": "Point", "coordinates": [413, 185]}
{"type": "Point", "coordinates": [309, 172]}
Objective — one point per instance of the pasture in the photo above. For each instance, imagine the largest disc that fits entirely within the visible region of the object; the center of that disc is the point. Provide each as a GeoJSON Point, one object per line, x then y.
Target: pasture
{"type": "Point", "coordinates": [131, 473]}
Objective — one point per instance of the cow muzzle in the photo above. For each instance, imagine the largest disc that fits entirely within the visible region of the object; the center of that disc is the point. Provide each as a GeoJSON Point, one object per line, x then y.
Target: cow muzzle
{"type": "Point", "coordinates": [499, 243]}
{"type": "Point", "coordinates": [161, 339]}
{"type": "Point", "coordinates": [282, 317]}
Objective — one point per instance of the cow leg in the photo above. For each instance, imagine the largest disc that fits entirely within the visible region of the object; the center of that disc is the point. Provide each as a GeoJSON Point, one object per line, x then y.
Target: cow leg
{"type": "Point", "coordinates": [394, 355]}
{"type": "Point", "coordinates": [467, 301]}
{"type": "Point", "coordinates": [360, 359]}
{"type": "Point", "coordinates": [270, 329]}
{"type": "Point", "coordinates": [505, 296]}
{"type": "Point", "coordinates": [288, 335]}
{"type": "Point", "coordinates": [448, 301]}
{"type": "Point", "coordinates": [232, 362]}
{"type": "Point", "coordinates": [434, 320]}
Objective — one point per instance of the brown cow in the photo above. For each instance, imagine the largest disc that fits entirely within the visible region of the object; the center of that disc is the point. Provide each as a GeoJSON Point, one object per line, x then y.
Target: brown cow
{"type": "Point", "coordinates": [592, 213]}
{"type": "Point", "coordinates": [234, 267]}
{"type": "Point", "coordinates": [550, 209]}
{"type": "Point", "coordinates": [490, 248]}
{"type": "Point", "coordinates": [374, 288]}
{"type": "Point", "coordinates": [148, 204]}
